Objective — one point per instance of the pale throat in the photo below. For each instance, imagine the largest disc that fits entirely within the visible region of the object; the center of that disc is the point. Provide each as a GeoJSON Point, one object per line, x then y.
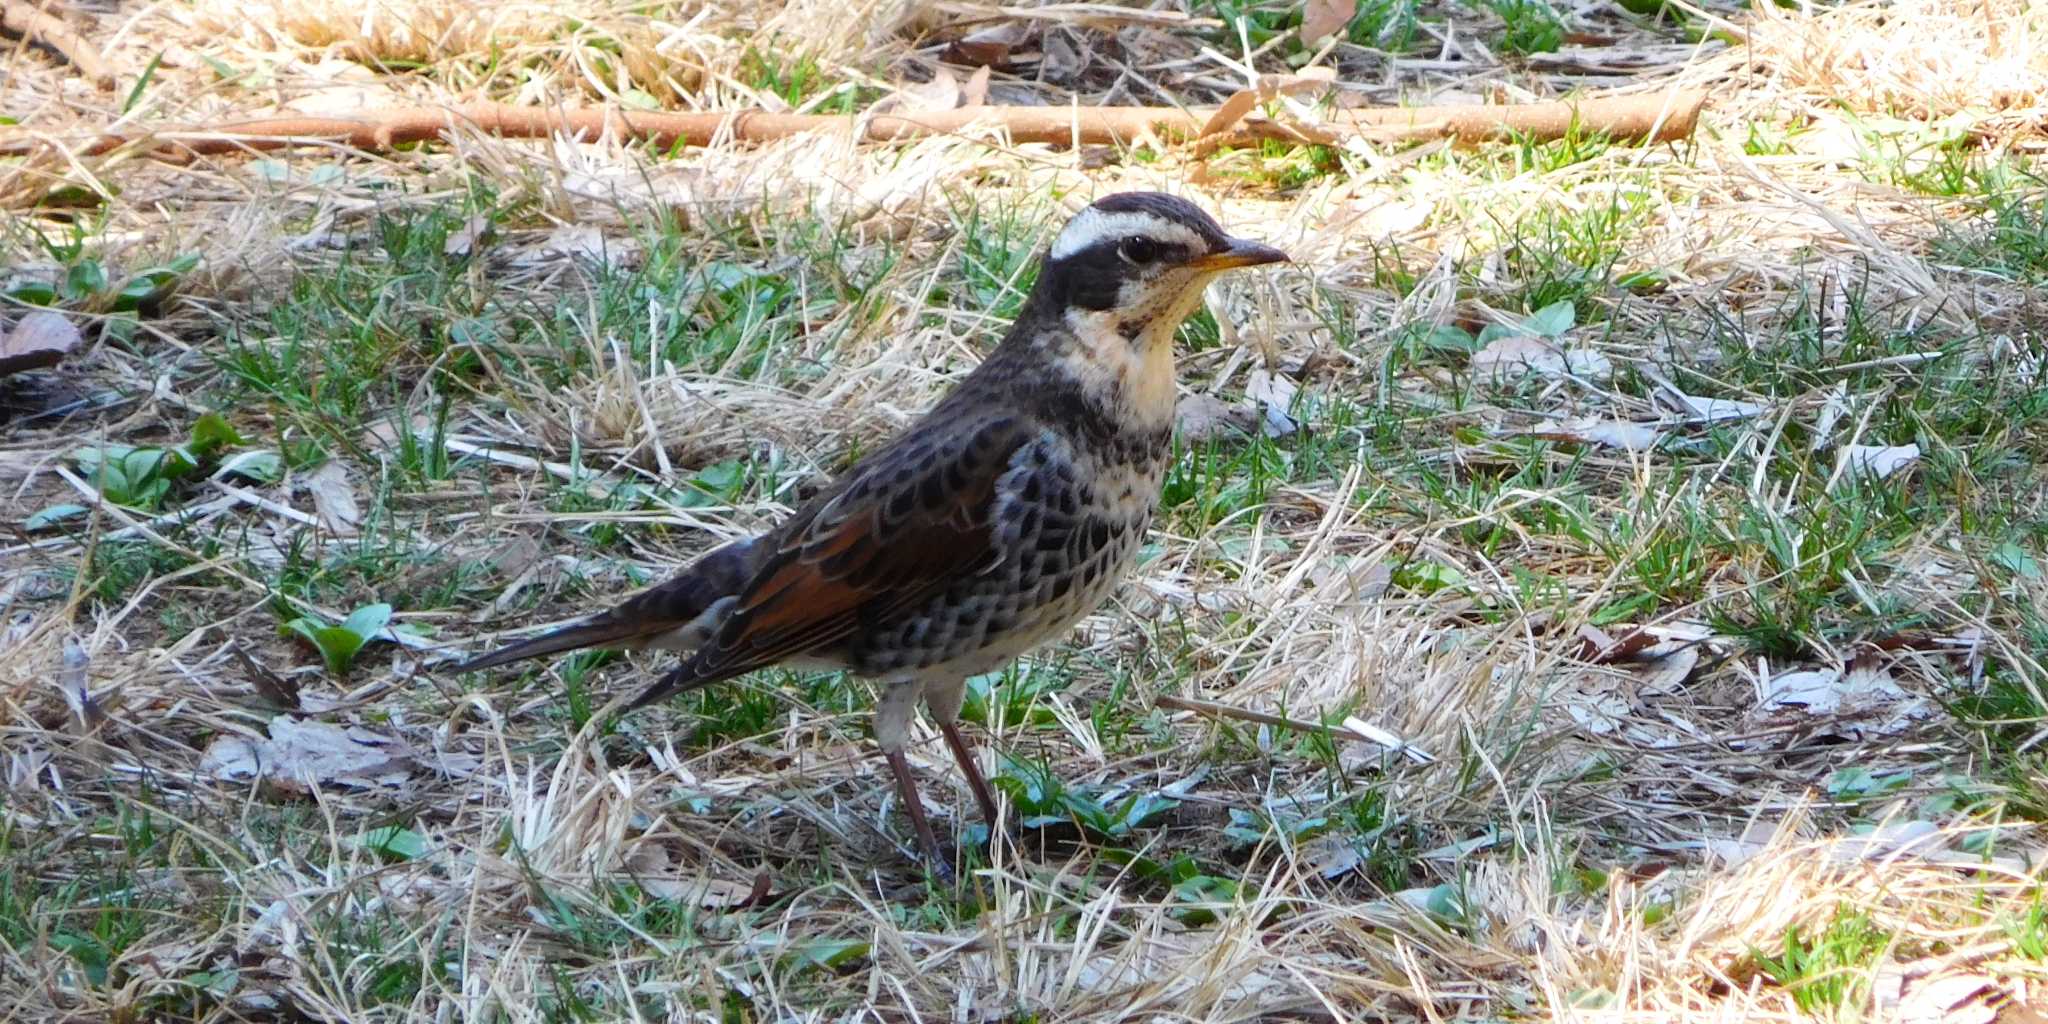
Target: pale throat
{"type": "Point", "coordinates": [1134, 375]}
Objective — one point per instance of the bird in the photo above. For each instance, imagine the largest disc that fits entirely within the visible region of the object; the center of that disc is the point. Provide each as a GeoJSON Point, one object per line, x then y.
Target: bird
{"type": "Point", "coordinates": [989, 526]}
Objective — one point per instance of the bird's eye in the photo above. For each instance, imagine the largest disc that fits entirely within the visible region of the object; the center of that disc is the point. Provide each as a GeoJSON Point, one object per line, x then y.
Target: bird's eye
{"type": "Point", "coordinates": [1138, 250]}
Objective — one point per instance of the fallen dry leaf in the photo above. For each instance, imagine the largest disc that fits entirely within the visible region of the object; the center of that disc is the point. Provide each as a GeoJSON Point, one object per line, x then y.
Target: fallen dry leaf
{"type": "Point", "coordinates": [1832, 410]}
{"type": "Point", "coordinates": [1322, 18]}
{"type": "Point", "coordinates": [1060, 60]}
{"type": "Point", "coordinates": [1666, 673]}
{"type": "Point", "coordinates": [1230, 112]}
{"type": "Point", "coordinates": [1699, 411]}
{"type": "Point", "coordinates": [1274, 393]}
{"type": "Point", "coordinates": [462, 242]}
{"type": "Point", "coordinates": [651, 867]}
{"type": "Point", "coordinates": [514, 555]}
{"type": "Point", "coordinates": [1597, 703]}
{"type": "Point", "coordinates": [1826, 691]}
{"type": "Point", "coordinates": [301, 754]}
{"type": "Point", "coordinates": [41, 339]}
{"type": "Point", "coordinates": [334, 499]}
{"type": "Point", "coordinates": [941, 93]}
{"type": "Point", "coordinates": [975, 92]}
{"type": "Point", "coordinates": [1634, 437]}
{"type": "Point", "coordinates": [1948, 999]}
{"type": "Point", "coordinates": [1879, 461]}
{"type": "Point", "coordinates": [1208, 418]}
{"type": "Point", "coordinates": [1331, 855]}
{"type": "Point", "coordinates": [75, 682]}
{"type": "Point", "coordinates": [1266, 87]}
{"type": "Point", "coordinates": [987, 46]}
{"type": "Point", "coordinates": [1519, 355]}
{"type": "Point", "coordinates": [337, 86]}
{"type": "Point", "coordinates": [1386, 216]}
{"type": "Point", "coordinates": [586, 242]}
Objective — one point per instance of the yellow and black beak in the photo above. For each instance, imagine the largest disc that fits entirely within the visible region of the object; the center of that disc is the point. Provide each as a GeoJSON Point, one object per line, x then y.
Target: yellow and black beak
{"type": "Point", "coordinates": [1239, 253]}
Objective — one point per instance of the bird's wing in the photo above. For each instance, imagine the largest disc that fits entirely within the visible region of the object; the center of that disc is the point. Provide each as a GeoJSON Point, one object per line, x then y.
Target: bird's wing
{"type": "Point", "coordinates": [910, 521]}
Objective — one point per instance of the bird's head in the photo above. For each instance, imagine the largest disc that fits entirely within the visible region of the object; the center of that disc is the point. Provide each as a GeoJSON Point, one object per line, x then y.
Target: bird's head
{"type": "Point", "coordinates": [1115, 286]}
{"type": "Point", "coordinates": [1136, 263]}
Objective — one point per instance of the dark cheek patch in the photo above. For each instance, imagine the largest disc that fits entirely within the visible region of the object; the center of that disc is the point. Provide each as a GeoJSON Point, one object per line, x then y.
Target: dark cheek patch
{"type": "Point", "coordinates": [1133, 326]}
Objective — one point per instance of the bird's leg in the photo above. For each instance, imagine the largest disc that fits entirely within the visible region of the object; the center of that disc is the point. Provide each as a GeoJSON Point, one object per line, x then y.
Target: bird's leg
{"type": "Point", "coordinates": [893, 712]}
{"type": "Point", "coordinates": [968, 768]}
{"type": "Point", "coordinates": [945, 698]}
{"type": "Point", "coordinates": [927, 842]}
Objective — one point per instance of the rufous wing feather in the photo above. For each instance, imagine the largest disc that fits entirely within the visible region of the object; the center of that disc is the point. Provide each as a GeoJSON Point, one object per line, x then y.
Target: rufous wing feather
{"type": "Point", "coordinates": [912, 519]}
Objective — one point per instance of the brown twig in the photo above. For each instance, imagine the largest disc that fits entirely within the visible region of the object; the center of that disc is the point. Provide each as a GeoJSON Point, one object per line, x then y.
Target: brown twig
{"type": "Point", "coordinates": [1657, 117]}
{"type": "Point", "coordinates": [1353, 726]}
{"type": "Point", "coordinates": [1218, 709]}
{"type": "Point", "coordinates": [36, 26]}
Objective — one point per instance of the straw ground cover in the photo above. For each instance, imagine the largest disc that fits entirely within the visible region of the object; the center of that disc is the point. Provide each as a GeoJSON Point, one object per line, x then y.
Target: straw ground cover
{"type": "Point", "coordinates": [1671, 519]}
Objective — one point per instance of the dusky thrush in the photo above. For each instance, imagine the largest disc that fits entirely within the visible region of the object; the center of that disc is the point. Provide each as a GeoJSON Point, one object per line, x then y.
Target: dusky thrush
{"type": "Point", "coordinates": [990, 526]}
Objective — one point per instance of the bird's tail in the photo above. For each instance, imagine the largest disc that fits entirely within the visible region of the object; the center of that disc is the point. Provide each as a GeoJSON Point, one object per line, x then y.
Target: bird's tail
{"type": "Point", "coordinates": [679, 613]}
{"type": "Point", "coordinates": [602, 630]}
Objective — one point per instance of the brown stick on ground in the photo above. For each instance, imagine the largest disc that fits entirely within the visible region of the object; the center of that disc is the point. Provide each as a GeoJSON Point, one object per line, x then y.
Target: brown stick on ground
{"type": "Point", "coordinates": [1658, 117]}
{"type": "Point", "coordinates": [18, 17]}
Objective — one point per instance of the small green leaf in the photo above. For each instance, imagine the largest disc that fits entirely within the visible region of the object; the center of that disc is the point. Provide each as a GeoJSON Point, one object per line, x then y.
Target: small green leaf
{"type": "Point", "coordinates": [224, 70]}
{"type": "Point", "coordinates": [1493, 332]}
{"type": "Point", "coordinates": [337, 646]}
{"type": "Point", "coordinates": [142, 464]}
{"type": "Point", "coordinates": [1450, 338]}
{"type": "Point", "coordinates": [399, 843]}
{"type": "Point", "coordinates": [1203, 889]}
{"type": "Point", "coordinates": [113, 484]}
{"type": "Point", "coordinates": [368, 620]}
{"type": "Point", "coordinates": [142, 82]}
{"type": "Point", "coordinates": [152, 284]}
{"type": "Point", "coordinates": [211, 432]}
{"type": "Point", "coordinates": [1552, 320]}
{"type": "Point", "coordinates": [218, 984]}
{"type": "Point", "coordinates": [136, 293]}
{"type": "Point", "coordinates": [1428, 577]}
{"type": "Point", "coordinates": [2015, 559]}
{"type": "Point", "coordinates": [1089, 813]}
{"type": "Point", "coordinates": [1444, 902]}
{"type": "Point", "coordinates": [33, 293]}
{"type": "Point", "coordinates": [263, 467]}
{"type": "Point", "coordinates": [1856, 782]}
{"type": "Point", "coordinates": [473, 330]}
{"type": "Point", "coordinates": [1246, 827]}
{"type": "Point", "coordinates": [1142, 809]}
{"type": "Point", "coordinates": [53, 515]}
{"type": "Point", "coordinates": [77, 196]}
{"type": "Point", "coordinates": [85, 279]}
{"type": "Point", "coordinates": [90, 953]}
{"type": "Point", "coordinates": [831, 954]}
{"type": "Point", "coordinates": [722, 479]}
{"type": "Point", "coordinates": [1643, 280]}
{"type": "Point", "coordinates": [119, 328]}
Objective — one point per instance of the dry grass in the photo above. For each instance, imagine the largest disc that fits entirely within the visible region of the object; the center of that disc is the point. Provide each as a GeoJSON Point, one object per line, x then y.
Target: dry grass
{"type": "Point", "coordinates": [1619, 812]}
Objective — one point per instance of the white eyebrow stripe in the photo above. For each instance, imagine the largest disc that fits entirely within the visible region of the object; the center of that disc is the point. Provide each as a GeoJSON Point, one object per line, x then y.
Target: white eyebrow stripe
{"type": "Point", "coordinates": [1092, 225]}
